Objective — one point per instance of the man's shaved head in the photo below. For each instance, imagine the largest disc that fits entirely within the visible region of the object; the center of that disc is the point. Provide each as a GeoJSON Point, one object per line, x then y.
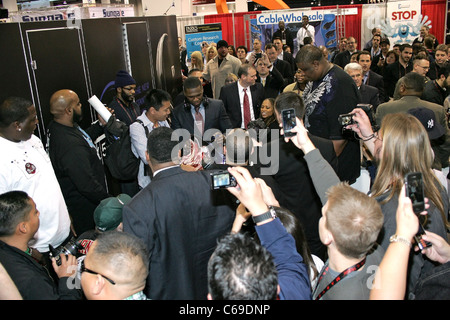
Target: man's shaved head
{"type": "Point", "coordinates": [60, 100]}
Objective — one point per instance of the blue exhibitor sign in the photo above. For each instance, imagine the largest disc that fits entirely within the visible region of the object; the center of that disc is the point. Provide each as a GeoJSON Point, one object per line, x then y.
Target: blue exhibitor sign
{"type": "Point", "coordinates": [198, 34]}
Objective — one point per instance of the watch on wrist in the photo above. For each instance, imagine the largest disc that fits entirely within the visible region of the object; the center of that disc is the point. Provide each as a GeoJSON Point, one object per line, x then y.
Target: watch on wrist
{"type": "Point", "coordinates": [396, 238]}
{"type": "Point", "coordinates": [266, 215]}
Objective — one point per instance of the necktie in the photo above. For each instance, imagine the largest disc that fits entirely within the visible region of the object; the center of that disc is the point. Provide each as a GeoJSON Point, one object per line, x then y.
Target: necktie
{"type": "Point", "coordinates": [199, 120]}
{"type": "Point", "coordinates": [246, 109]}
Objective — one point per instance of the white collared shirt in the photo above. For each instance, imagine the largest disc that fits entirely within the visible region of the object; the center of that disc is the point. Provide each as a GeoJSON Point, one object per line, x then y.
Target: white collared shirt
{"type": "Point", "coordinates": [241, 99]}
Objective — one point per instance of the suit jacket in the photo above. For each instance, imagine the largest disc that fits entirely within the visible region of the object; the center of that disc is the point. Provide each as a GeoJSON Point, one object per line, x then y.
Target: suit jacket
{"type": "Point", "coordinates": [289, 58]}
{"type": "Point", "coordinates": [286, 71]}
{"type": "Point", "coordinates": [441, 149]}
{"type": "Point", "coordinates": [294, 188]}
{"type": "Point", "coordinates": [215, 116]}
{"type": "Point", "coordinates": [369, 95]}
{"type": "Point", "coordinates": [180, 219]}
{"type": "Point", "coordinates": [274, 83]}
{"type": "Point", "coordinates": [289, 37]}
{"type": "Point", "coordinates": [392, 73]}
{"type": "Point", "coordinates": [342, 58]}
{"type": "Point", "coordinates": [376, 80]}
{"type": "Point", "coordinates": [229, 94]}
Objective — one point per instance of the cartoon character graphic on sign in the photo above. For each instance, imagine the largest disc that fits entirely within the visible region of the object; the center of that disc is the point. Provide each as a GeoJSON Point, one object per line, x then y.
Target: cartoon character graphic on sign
{"type": "Point", "coordinates": [400, 33]}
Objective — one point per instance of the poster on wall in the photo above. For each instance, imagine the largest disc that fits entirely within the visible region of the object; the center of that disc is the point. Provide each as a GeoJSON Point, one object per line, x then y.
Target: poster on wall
{"type": "Point", "coordinates": [403, 21]}
{"type": "Point", "coordinates": [196, 35]}
{"type": "Point", "coordinates": [323, 21]}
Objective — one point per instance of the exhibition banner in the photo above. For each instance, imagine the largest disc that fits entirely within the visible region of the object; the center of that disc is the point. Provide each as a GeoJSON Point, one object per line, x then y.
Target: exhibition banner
{"type": "Point", "coordinates": [403, 21]}
{"type": "Point", "coordinates": [323, 21]}
{"type": "Point", "coordinates": [198, 34]}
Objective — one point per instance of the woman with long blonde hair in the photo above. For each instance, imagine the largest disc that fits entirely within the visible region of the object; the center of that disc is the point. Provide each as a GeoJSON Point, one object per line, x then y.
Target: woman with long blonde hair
{"type": "Point", "coordinates": [402, 146]}
{"type": "Point", "coordinates": [196, 61]}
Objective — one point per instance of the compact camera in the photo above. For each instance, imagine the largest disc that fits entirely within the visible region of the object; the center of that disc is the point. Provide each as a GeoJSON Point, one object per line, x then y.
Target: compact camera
{"type": "Point", "coordinates": [221, 180]}
{"type": "Point", "coordinates": [346, 119]}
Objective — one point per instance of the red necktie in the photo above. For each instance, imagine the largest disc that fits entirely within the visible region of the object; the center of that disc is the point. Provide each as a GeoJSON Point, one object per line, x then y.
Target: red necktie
{"type": "Point", "coordinates": [199, 122]}
{"type": "Point", "coordinates": [247, 117]}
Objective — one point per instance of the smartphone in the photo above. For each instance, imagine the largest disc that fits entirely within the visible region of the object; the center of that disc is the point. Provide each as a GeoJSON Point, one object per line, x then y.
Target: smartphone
{"type": "Point", "coordinates": [415, 191]}
{"type": "Point", "coordinates": [221, 180]}
{"type": "Point", "coordinates": [288, 119]}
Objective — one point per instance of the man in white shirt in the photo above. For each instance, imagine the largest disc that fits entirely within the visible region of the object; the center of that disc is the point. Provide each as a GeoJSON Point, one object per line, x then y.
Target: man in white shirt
{"type": "Point", "coordinates": [155, 116]}
{"type": "Point", "coordinates": [25, 166]}
{"type": "Point", "coordinates": [306, 30]}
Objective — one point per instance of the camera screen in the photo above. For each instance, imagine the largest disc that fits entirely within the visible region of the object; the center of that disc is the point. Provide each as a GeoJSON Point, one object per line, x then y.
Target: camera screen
{"type": "Point", "coordinates": [221, 180]}
{"type": "Point", "coordinates": [415, 191]}
{"type": "Point", "coordinates": [288, 121]}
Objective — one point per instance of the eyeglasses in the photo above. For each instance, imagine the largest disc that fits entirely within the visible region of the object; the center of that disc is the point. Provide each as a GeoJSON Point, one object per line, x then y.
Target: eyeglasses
{"type": "Point", "coordinates": [129, 89]}
{"type": "Point", "coordinates": [425, 68]}
{"type": "Point", "coordinates": [83, 269]}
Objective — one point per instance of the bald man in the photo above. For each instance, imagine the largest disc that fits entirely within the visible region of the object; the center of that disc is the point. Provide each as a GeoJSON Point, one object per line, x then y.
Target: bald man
{"type": "Point", "coordinates": [75, 159]}
{"type": "Point", "coordinates": [115, 268]}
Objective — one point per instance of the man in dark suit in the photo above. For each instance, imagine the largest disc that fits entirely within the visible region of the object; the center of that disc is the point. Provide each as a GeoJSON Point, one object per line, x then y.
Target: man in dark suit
{"type": "Point", "coordinates": [343, 58]}
{"type": "Point", "coordinates": [198, 112]}
{"type": "Point", "coordinates": [269, 76]}
{"type": "Point", "coordinates": [293, 186]}
{"type": "Point", "coordinates": [370, 77]}
{"type": "Point", "coordinates": [284, 67]}
{"type": "Point", "coordinates": [284, 35]}
{"type": "Point", "coordinates": [394, 71]}
{"type": "Point", "coordinates": [234, 97]}
{"type": "Point", "coordinates": [180, 219]}
{"type": "Point", "coordinates": [369, 94]}
{"type": "Point", "coordinates": [284, 55]}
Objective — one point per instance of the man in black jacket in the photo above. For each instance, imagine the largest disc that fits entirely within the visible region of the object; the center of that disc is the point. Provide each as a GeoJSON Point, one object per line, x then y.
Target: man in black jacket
{"type": "Point", "coordinates": [293, 187]}
{"type": "Point", "coordinates": [75, 160]}
{"type": "Point", "coordinates": [20, 221]}
{"type": "Point", "coordinates": [180, 220]}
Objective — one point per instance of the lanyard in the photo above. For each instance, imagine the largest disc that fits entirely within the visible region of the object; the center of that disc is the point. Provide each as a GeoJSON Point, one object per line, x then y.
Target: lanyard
{"type": "Point", "coordinates": [125, 109]}
{"type": "Point", "coordinates": [341, 276]}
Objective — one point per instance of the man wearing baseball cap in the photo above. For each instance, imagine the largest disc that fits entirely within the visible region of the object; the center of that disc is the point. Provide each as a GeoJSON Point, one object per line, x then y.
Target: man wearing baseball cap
{"type": "Point", "coordinates": [218, 68]}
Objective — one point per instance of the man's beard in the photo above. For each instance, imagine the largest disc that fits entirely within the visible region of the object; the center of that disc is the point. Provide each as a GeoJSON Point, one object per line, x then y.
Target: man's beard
{"type": "Point", "coordinates": [126, 97]}
{"type": "Point", "coordinates": [77, 117]}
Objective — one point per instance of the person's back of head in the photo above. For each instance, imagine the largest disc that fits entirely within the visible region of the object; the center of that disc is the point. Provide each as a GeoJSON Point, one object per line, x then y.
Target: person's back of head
{"type": "Point", "coordinates": [238, 146]}
{"type": "Point", "coordinates": [413, 83]}
{"type": "Point", "coordinates": [403, 134]}
{"type": "Point", "coordinates": [121, 259]}
{"type": "Point", "coordinates": [160, 146]}
{"type": "Point", "coordinates": [290, 99]}
{"type": "Point", "coordinates": [13, 109]}
{"type": "Point", "coordinates": [354, 219]}
{"type": "Point", "coordinates": [308, 54]}
{"type": "Point", "coordinates": [14, 208]}
{"type": "Point", "coordinates": [241, 269]}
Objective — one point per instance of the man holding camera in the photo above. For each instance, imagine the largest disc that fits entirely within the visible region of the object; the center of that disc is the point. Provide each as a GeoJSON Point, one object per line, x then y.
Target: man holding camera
{"type": "Point", "coordinates": [20, 222]}
{"type": "Point", "coordinates": [179, 218]}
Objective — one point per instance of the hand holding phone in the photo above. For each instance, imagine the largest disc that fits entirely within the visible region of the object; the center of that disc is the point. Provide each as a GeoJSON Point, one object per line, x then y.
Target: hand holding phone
{"type": "Point", "coordinates": [415, 191]}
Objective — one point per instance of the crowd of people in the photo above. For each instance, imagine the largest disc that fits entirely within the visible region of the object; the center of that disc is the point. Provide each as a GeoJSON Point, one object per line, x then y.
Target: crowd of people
{"type": "Point", "coordinates": [234, 207]}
